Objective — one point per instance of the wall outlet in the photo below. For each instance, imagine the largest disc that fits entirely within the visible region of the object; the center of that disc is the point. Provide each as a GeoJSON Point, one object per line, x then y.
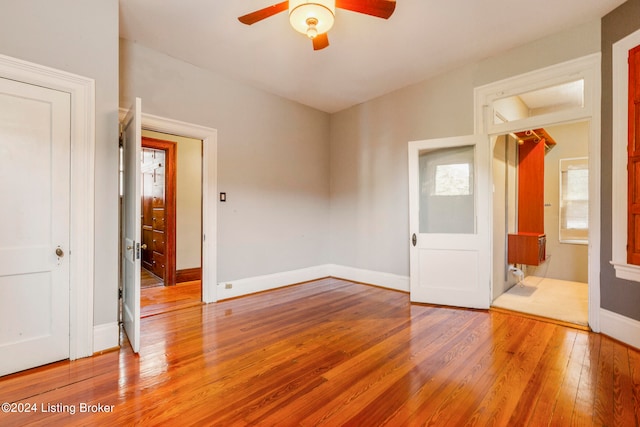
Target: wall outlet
{"type": "Point", "coordinates": [228, 285]}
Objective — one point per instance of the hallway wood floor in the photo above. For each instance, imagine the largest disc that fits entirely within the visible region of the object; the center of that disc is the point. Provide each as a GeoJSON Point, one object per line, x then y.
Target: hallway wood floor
{"type": "Point", "coordinates": [332, 352]}
{"type": "Point", "coordinates": [149, 280]}
{"type": "Point", "coordinates": [161, 299]}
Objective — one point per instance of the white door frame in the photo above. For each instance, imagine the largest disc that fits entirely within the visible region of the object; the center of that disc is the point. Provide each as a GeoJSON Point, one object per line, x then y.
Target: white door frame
{"type": "Point", "coordinates": [209, 137]}
{"type": "Point", "coordinates": [588, 68]}
{"type": "Point", "coordinates": [81, 243]}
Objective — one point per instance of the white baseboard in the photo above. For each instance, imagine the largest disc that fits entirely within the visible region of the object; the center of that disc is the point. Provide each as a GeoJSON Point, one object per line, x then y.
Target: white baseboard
{"type": "Point", "coordinates": [620, 327]}
{"type": "Point", "coordinates": [377, 278]}
{"type": "Point", "coordinates": [106, 337]}
{"type": "Point", "coordinates": [252, 285]}
{"type": "Point", "coordinates": [255, 284]}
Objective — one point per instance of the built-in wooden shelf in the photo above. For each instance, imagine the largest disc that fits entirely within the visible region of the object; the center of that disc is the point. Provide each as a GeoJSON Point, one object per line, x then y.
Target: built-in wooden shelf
{"type": "Point", "coordinates": [536, 136]}
{"type": "Point", "coordinates": [528, 245]}
{"type": "Point", "coordinates": [526, 248]}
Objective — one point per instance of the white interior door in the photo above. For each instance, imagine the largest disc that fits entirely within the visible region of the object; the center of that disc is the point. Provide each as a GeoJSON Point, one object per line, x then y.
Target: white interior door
{"type": "Point", "coordinates": [132, 144]}
{"type": "Point", "coordinates": [450, 220]}
{"type": "Point", "coordinates": [34, 225]}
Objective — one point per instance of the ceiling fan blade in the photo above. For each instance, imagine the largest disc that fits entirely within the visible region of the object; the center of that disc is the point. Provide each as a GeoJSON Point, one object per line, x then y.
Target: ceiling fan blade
{"type": "Point", "coordinates": [320, 41]}
{"type": "Point", "coordinates": [378, 8]}
{"type": "Point", "coordinates": [259, 15]}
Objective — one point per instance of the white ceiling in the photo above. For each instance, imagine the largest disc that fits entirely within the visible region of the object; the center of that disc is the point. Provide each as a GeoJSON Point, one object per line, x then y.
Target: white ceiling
{"type": "Point", "coordinates": [367, 56]}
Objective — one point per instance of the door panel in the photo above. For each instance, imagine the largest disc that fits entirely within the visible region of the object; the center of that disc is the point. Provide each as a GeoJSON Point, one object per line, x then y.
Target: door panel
{"type": "Point", "coordinates": [132, 144]}
{"type": "Point", "coordinates": [148, 176]}
{"type": "Point", "coordinates": [633, 159]}
{"type": "Point", "coordinates": [34, 223]}
{"type": "Point", "coordinates": [449, 216]}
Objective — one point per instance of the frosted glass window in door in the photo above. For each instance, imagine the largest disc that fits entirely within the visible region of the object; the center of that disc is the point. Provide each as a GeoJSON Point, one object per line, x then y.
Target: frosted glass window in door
{"type": "Point", "coordinates": [447, 201]}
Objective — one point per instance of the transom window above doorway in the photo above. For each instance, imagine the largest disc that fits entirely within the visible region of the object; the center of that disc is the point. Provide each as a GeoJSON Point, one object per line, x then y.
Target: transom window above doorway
{"type": "Point", "coordinates": [552, 99]}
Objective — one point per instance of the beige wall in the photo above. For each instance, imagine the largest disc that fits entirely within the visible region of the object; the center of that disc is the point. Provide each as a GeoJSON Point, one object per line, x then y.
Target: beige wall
{"type": "Point", "coordinates": [188, 199]}
{"type": "Point", "coordinates": [566, 261]}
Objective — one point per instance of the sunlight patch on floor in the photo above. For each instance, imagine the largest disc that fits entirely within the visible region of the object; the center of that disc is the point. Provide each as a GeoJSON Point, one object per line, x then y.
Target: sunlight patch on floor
{"type": "Point", "coordinates": [551, 298]}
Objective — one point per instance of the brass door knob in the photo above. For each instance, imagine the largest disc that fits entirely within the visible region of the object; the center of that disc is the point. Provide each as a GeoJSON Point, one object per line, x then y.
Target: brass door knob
{"type": "Point", "coordinates": [144, 246]}
{"type": "Point", "coordinates": [59, 252]}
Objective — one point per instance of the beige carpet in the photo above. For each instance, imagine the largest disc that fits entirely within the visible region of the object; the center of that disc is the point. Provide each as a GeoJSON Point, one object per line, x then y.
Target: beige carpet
{"type": "Point", "coordinates": [551, 298]}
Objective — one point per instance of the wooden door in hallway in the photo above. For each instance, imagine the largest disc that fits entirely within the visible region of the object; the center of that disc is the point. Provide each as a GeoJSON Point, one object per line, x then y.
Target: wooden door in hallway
{"type": "Point", "coordinates": [153, 211]}
{"type": "Point", "coordinates": [34, 225]}
{"type": "Point", "coordinates": [159, 208]}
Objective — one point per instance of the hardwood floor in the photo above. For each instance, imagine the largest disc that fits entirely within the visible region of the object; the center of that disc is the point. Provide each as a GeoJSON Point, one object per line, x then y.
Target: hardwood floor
{"type": "Point", "coordinates": [332, 353]}
{"type": "Point", "coordinates": [160, 299]}
{"type": "Point", "coordinates": [149, 280]}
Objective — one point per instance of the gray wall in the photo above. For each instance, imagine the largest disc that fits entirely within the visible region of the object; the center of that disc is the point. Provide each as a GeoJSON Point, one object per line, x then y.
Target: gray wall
{"type": "Point", "coordinates": [369, 197]}
{"type": "Point", "coordinates": [273, 161]}
{"type": "Point", "coordinates": [80, 37]}
{"type": "Point", "coordinates": [619, 296]}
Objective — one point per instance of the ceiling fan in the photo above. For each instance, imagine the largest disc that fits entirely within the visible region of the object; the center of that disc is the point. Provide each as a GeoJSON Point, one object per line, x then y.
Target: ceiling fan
{"type": "Point", "coordinates": [315, 17]}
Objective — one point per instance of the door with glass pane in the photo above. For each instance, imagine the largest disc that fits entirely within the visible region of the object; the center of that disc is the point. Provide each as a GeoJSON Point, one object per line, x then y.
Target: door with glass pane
{"type": "Point", "coordinates": [450, 221]}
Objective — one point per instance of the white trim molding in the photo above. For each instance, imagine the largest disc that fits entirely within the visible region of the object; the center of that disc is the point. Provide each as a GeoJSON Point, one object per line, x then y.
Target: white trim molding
{"type": "Point", "coordinates": [209, 137]}
{"type": "Point", "coordinates": [589, 69]}
{"type": "Point", "coordinates": [586, 68]}
{"type": "Point", "coordinates": [619, 143]}
{"type": "Point", "coordinates": [81, 249]}
{"type": "Point", "coordinates": [106, 337]}
{"type": "Point", "coordinates": [252, 285]}
{"type": "Point", "coordinates": [626, 271]}
{"type": "Point", "coordinates": [370, 277]}
{"type": "Point", "coordinates": [620, 328]}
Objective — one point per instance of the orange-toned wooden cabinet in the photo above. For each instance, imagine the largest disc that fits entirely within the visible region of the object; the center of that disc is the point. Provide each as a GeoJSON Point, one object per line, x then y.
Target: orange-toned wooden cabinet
{"type": "Point", "coordinates": [526, 248]}
{"type": "Point", "coordinates": [528, 245]}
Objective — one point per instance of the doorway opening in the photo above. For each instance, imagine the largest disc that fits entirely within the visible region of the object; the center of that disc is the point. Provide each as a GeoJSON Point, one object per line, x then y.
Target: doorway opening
{"type": "Point", "coordinates": [158, 194]}
{"type": "Point", "coordinates": [552, 284]}
{"type": "Point", "coordinates": [133, 121]}
{"type": "Point", "coordinates": [551, 99]}
{"type": "Point", "coordinates": [171, 267]}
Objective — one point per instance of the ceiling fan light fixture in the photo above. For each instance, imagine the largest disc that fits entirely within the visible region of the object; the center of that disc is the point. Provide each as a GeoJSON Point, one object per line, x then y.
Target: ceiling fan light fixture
{"type": "Point", "coordinates": [312, 17]}
{"type": "Point", "coordinates": [312, 31]}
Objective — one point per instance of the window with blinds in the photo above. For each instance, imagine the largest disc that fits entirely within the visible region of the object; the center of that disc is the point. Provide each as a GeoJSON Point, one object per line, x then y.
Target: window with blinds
{"type": "Point", "coordinates": [574, 200]}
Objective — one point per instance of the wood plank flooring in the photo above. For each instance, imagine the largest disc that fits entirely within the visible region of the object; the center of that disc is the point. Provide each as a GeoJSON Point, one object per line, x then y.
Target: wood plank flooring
{"type": "Point", "coordinates": [149, 280]}
{"type": "Point", "coordinates": [160, 299]}
{"type": "Point", "coordinates": [332, 352]}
